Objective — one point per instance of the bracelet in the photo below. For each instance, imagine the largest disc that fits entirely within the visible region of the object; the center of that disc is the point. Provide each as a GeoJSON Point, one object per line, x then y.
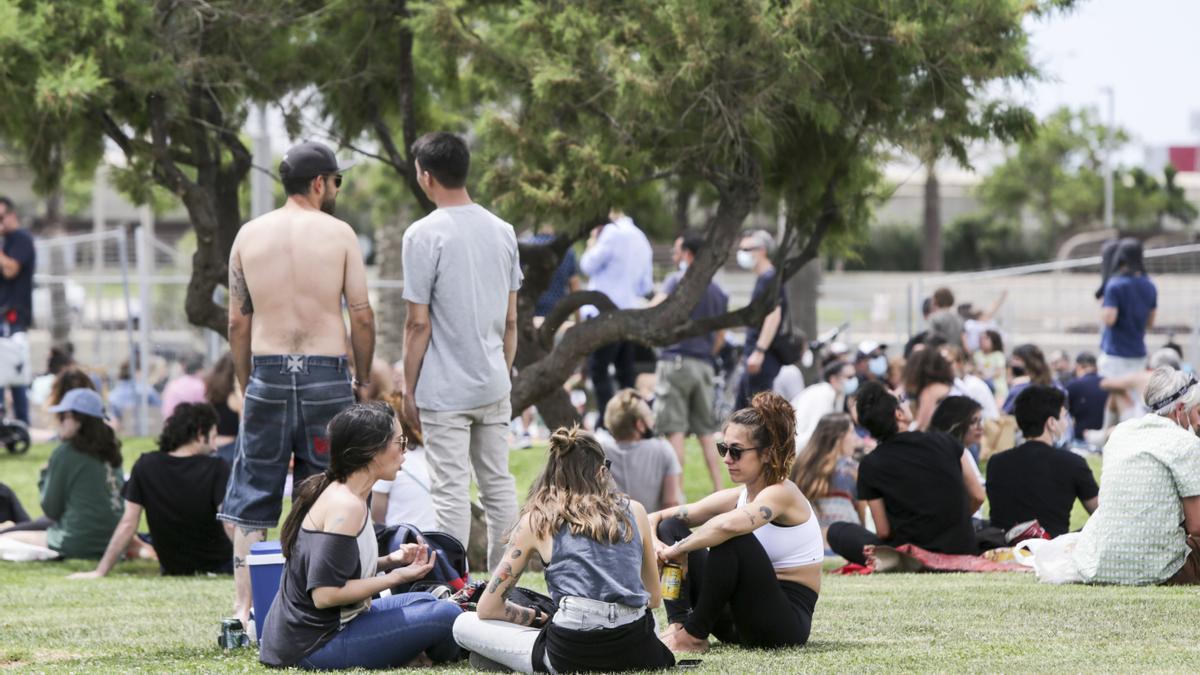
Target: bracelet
{"type": "Point", "coordinates": [356, 383]}
{"type": "Point", "coordinates": [758, 349]}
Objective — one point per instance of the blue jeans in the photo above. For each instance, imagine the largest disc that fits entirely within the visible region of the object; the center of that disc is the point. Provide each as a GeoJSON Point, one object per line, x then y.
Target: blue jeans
{"type": "Point", "coordinates": [393, 632]}
{"type": "Point", "coordinates": [763, 380]}
{"type": "Point", "coordinates": [20, 401]}
{"type": "Point", "coordinates": [288, 405]}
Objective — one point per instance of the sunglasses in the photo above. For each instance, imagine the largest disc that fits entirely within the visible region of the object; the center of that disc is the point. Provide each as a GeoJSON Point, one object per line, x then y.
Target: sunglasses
{"type": "Point", "coordinates": [734, 451]}
{"type": "Point", "coordinates": [608, 463]}
{"type": "Point", "coordinates": [337, 180]}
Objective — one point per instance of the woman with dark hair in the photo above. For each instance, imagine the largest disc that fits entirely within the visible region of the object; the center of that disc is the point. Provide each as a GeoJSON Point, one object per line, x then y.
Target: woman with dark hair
{"type": "Point", "coordinates": [928, 378]}
{"type": "Point", "coordinates": [1028, 366]}
{"type": "Point", "coordinates": [323, 616]}
{"type": "Point", "coordinates": [600, 570]}
{"type": "Point", "coordinates": [223, 394]}
{"type": "Point", "coordinates": [756, 549]}
{"type": "Point", "coordinates": [962, 418]}
{"type": "Point", "coordinates": [70, 378]}
{"type": "Point", "coordinates": [81, 485]}
{"type": "Point", "coordinates": [181, 488]}
{"type": "Point", "coordinates": [826, 471]}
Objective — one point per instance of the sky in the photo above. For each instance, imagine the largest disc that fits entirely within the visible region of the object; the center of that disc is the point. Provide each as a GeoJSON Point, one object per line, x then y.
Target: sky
{"type": "Point", "coordinates": [1146, 50]}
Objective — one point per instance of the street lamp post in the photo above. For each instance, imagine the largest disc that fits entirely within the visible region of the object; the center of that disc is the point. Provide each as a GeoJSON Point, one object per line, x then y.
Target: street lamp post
{"type": "Point", "coordinates": [1108, 150]}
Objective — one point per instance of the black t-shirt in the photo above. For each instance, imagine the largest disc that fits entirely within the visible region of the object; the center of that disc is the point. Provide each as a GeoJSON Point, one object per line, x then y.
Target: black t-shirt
{"type": "Point", "coordinates": [1086, 401]}
{"type": "Point", "coordinates": [919, 477]}
{"type": "Point", "coordinates": [17, 293]}
{"type": "Point", "coordinates": [181, 496]}
{"type": "Point", "coordinates": [227, 420]}
{"type": "Point", "coordinates": [1034, 480]}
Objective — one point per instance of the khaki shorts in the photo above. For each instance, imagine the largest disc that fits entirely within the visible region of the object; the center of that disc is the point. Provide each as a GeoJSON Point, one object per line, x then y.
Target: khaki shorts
{"type": "Point", "coordinates": [683, 396]}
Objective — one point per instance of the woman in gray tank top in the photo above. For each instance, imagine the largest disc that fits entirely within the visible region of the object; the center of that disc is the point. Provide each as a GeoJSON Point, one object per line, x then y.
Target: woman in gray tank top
{"type": "Point", "coordinates": [601, 571]}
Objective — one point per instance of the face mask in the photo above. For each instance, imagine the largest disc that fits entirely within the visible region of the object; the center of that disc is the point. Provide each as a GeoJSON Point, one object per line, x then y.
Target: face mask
{"type": "Point", "coordinates": [745, 259]}
{"type": "Point", "coordinates": [878, 366]}
{"type": "Point", "coordinates": [1018, 371]}
{"type": "Point", "coordinates": [850, 386]}
{"type": "Point", "coordinates": [683, 265]}
{"type": "Point", "coordinates": [1064, 438]}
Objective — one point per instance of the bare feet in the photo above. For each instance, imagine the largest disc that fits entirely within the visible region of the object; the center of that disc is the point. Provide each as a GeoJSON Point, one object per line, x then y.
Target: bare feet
{"type": "Point", "coordinates": [683, 641]}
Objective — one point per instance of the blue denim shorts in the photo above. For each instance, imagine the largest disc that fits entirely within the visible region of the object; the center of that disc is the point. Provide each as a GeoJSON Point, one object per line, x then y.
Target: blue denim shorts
{"type": "Point", "coordinates": [288, 405]}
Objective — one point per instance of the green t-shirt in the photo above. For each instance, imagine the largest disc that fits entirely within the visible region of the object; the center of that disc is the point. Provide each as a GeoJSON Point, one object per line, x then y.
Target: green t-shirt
{"type": "Point", "coordinates": [1136, 536]}
{"type": "Point", "coordinates": [83, 496]}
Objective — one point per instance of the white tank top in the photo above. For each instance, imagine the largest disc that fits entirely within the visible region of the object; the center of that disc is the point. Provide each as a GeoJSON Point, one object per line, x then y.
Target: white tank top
{"type": "Point", "coordinates": [790, 546]}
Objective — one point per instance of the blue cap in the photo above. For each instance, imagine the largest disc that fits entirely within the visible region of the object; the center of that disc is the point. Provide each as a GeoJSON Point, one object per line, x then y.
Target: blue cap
{"type": "Point", "coordinates": [83, 401]}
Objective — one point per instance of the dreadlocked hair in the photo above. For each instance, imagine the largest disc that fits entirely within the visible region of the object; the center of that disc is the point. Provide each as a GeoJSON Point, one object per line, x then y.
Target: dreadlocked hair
{"type": "Point", "coordinates": [772, 423]}
{"type": "Point", "coordinates": [576, 490]}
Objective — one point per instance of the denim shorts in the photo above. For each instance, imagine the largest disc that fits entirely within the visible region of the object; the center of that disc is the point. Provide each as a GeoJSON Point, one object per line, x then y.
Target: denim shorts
{"type": "Point", "coordinates": [288, 405]}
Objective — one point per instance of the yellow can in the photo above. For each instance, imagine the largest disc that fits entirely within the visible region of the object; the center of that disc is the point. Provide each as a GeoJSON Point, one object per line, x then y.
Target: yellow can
{"type": "Point", "coordinates": [672, 581]}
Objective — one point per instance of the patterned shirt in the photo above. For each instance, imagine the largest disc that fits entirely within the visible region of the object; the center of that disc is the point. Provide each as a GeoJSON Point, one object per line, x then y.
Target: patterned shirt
{"type": "Point", "coordinates": [1136, 536]}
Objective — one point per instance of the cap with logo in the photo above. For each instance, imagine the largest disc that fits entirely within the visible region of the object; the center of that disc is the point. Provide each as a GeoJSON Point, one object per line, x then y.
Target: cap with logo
{"type": "Point", "coordinates": [311, 159]}
{"type": "Point", "coordinates": [82, 401]}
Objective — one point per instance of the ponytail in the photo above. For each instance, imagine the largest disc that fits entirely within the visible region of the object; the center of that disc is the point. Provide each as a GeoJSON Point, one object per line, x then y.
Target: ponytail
{"type": "Point", "coordinates": [306, 495]}
{"type": "Point", "coordinates": [772, 423]}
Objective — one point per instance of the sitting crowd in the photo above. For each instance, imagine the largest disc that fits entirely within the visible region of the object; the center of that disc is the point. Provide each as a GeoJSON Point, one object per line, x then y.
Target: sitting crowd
{"type": "Point", "coordinates": [879, 453]}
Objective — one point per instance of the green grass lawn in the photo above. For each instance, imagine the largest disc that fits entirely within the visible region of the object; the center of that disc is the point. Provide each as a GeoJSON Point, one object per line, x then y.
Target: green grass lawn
{"type": "Point", "coordinates": [136, 621]}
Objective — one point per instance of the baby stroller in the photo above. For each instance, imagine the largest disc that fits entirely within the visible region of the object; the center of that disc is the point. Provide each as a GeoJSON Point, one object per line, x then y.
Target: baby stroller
{"type": "Point", "coordinates": [14, 371]}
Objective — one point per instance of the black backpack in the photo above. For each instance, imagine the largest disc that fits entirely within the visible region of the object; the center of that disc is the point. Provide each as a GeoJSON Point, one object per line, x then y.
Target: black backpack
{"type": "Point", "coordinates": [450, 567]}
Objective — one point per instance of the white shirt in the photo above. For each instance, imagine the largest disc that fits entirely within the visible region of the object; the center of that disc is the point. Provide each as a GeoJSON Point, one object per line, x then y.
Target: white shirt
{"type": "Point", "coordinates": [409, 500]}
{"type": "Point", "coordinates": [811, 405]}
{"type": "Point", "coordinates": [619, 265]}
{"type": "Point", "coordinates": [979, 392]}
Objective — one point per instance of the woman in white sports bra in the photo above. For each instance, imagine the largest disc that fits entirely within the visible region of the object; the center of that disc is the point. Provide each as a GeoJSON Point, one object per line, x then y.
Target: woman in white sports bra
{"type": "Point", "coordinates": [753, 563]}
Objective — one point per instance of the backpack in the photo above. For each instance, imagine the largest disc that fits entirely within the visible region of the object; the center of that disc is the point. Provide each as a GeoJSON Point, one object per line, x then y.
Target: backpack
{"type": "Point", "coordinates": [788, 345]}
{"type": "Point", "coordinates": [450, 566]}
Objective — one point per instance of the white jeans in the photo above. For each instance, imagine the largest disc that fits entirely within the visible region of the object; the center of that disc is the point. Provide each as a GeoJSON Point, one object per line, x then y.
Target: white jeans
{"type": "Point", "coordinates": [457, 443]}
{"type": "Point", "coordinates": [503, 642]}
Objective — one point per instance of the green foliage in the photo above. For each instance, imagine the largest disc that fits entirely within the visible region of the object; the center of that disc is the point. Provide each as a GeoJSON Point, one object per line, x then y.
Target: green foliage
{"type": "Point", "coordinates": [1057, 177]}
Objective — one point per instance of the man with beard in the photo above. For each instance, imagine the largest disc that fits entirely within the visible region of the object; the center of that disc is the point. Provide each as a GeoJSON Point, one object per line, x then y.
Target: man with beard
{"type": "Point", "coordinates": [289, 271]}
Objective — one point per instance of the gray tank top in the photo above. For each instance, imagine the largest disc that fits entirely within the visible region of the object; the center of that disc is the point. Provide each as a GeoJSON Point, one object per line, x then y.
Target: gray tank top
{"type": "Point", "coordinates": [582, 567]}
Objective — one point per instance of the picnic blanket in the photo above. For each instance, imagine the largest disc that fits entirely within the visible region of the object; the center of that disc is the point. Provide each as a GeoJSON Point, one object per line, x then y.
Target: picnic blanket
{"type": "Point", "coordinates": [911, 558]}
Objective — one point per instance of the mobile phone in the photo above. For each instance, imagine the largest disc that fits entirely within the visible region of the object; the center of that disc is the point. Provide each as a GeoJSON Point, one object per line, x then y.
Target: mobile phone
{"type": "Point", "coordinates": [688, 663]}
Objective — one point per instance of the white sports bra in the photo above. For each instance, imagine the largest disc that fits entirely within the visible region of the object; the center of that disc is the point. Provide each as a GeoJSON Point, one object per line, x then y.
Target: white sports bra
{"type": "Point", "coordinates": [790, 546]}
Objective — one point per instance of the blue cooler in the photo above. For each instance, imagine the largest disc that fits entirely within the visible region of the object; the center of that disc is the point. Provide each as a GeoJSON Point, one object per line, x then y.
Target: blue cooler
{"type": "Point", "coordinates": [266, 568]}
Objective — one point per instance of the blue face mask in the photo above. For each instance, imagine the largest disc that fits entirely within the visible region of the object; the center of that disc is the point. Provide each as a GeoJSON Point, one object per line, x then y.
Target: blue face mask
{"type": "Point", "coordinates": [850, 386]}
{"type": "Point", "coordinates": [878, 366]}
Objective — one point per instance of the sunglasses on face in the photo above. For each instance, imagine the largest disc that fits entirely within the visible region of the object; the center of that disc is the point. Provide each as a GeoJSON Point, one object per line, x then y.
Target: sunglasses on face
{"type": "Point", "coordinates": [337, 180]}
{"type": "Point", "coordinates": [608, 463]}
{"type": "Point", "coordinates": [734, 451]}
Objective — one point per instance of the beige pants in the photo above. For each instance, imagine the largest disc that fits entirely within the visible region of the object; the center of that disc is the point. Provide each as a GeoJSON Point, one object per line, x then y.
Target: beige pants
{"type": "Point", "coordinates": [458, 444]}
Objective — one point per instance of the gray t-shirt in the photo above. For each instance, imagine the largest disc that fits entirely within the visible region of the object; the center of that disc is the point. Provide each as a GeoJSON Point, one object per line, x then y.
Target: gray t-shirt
{"type": "Point", "coordinates": [947, 324]}
{"type": "Point", "coordinates": [462, 261]}
{"type": "Point", "coordinates": [638, 469]}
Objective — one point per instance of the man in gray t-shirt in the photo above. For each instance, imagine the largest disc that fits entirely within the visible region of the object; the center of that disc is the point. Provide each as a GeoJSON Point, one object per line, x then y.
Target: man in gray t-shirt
{"type": "Point", "coordinates": [461, 276]}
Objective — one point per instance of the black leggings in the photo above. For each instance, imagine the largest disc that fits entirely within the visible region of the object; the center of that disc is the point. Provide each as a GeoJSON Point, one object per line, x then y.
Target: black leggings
{"type": "Point", "coordinates": [848, 540]}
{"type": "Point", "coordinates": [731, 591]}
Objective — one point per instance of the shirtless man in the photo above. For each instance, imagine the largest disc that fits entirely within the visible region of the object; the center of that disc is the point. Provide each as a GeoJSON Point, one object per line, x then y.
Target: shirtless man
{"type": "Point", "coordinates": [288, 272]}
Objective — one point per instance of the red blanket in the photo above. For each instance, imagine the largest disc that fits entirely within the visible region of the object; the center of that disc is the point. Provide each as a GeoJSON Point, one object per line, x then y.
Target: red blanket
{"type": "Point", "coordinates": [910, 558]}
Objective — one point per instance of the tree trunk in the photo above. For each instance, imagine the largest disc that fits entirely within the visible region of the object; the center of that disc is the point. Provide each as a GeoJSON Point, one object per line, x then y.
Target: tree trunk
{"type": "Point", "coordinates": [392, 311]}
{"type": "Point", "coordinates": [60, 311]}
{"type": "Point", "coordinates": [931, 253]}
{"type": "Point", "coordinates": [804, 290]}
{"type": "Point", "coordinates": [683, 204]}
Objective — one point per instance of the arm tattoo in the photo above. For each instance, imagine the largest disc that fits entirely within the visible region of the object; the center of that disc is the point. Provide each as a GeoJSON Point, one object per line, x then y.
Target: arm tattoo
{"type": "Point", "coordinates": [502, 577]}
{"type": "Point", "coordinates": [360, 305]}
{"type": "Point", "coordinates": [239, 290]}
{"type": "Point", "coordinates": [523, 616]}
{"type": "Point", "coordinates": [238, 562]}
{"type": "Point", "coordinates": [681, 513]}
{"type": "Point", "coordinates": [766, 513]}
{"type": "Point", "coordinates": [516, 553]}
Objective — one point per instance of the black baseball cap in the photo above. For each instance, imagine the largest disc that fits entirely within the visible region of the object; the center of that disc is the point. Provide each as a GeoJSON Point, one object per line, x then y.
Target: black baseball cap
{"type": "Point", "coordinates": [311, 159]}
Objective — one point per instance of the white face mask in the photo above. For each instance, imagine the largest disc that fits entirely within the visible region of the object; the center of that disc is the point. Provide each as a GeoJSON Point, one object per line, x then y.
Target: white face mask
{"type": "Point", "coordinates": [745, 260]}
{"type": "Point", "coordinates": [683, 265]}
